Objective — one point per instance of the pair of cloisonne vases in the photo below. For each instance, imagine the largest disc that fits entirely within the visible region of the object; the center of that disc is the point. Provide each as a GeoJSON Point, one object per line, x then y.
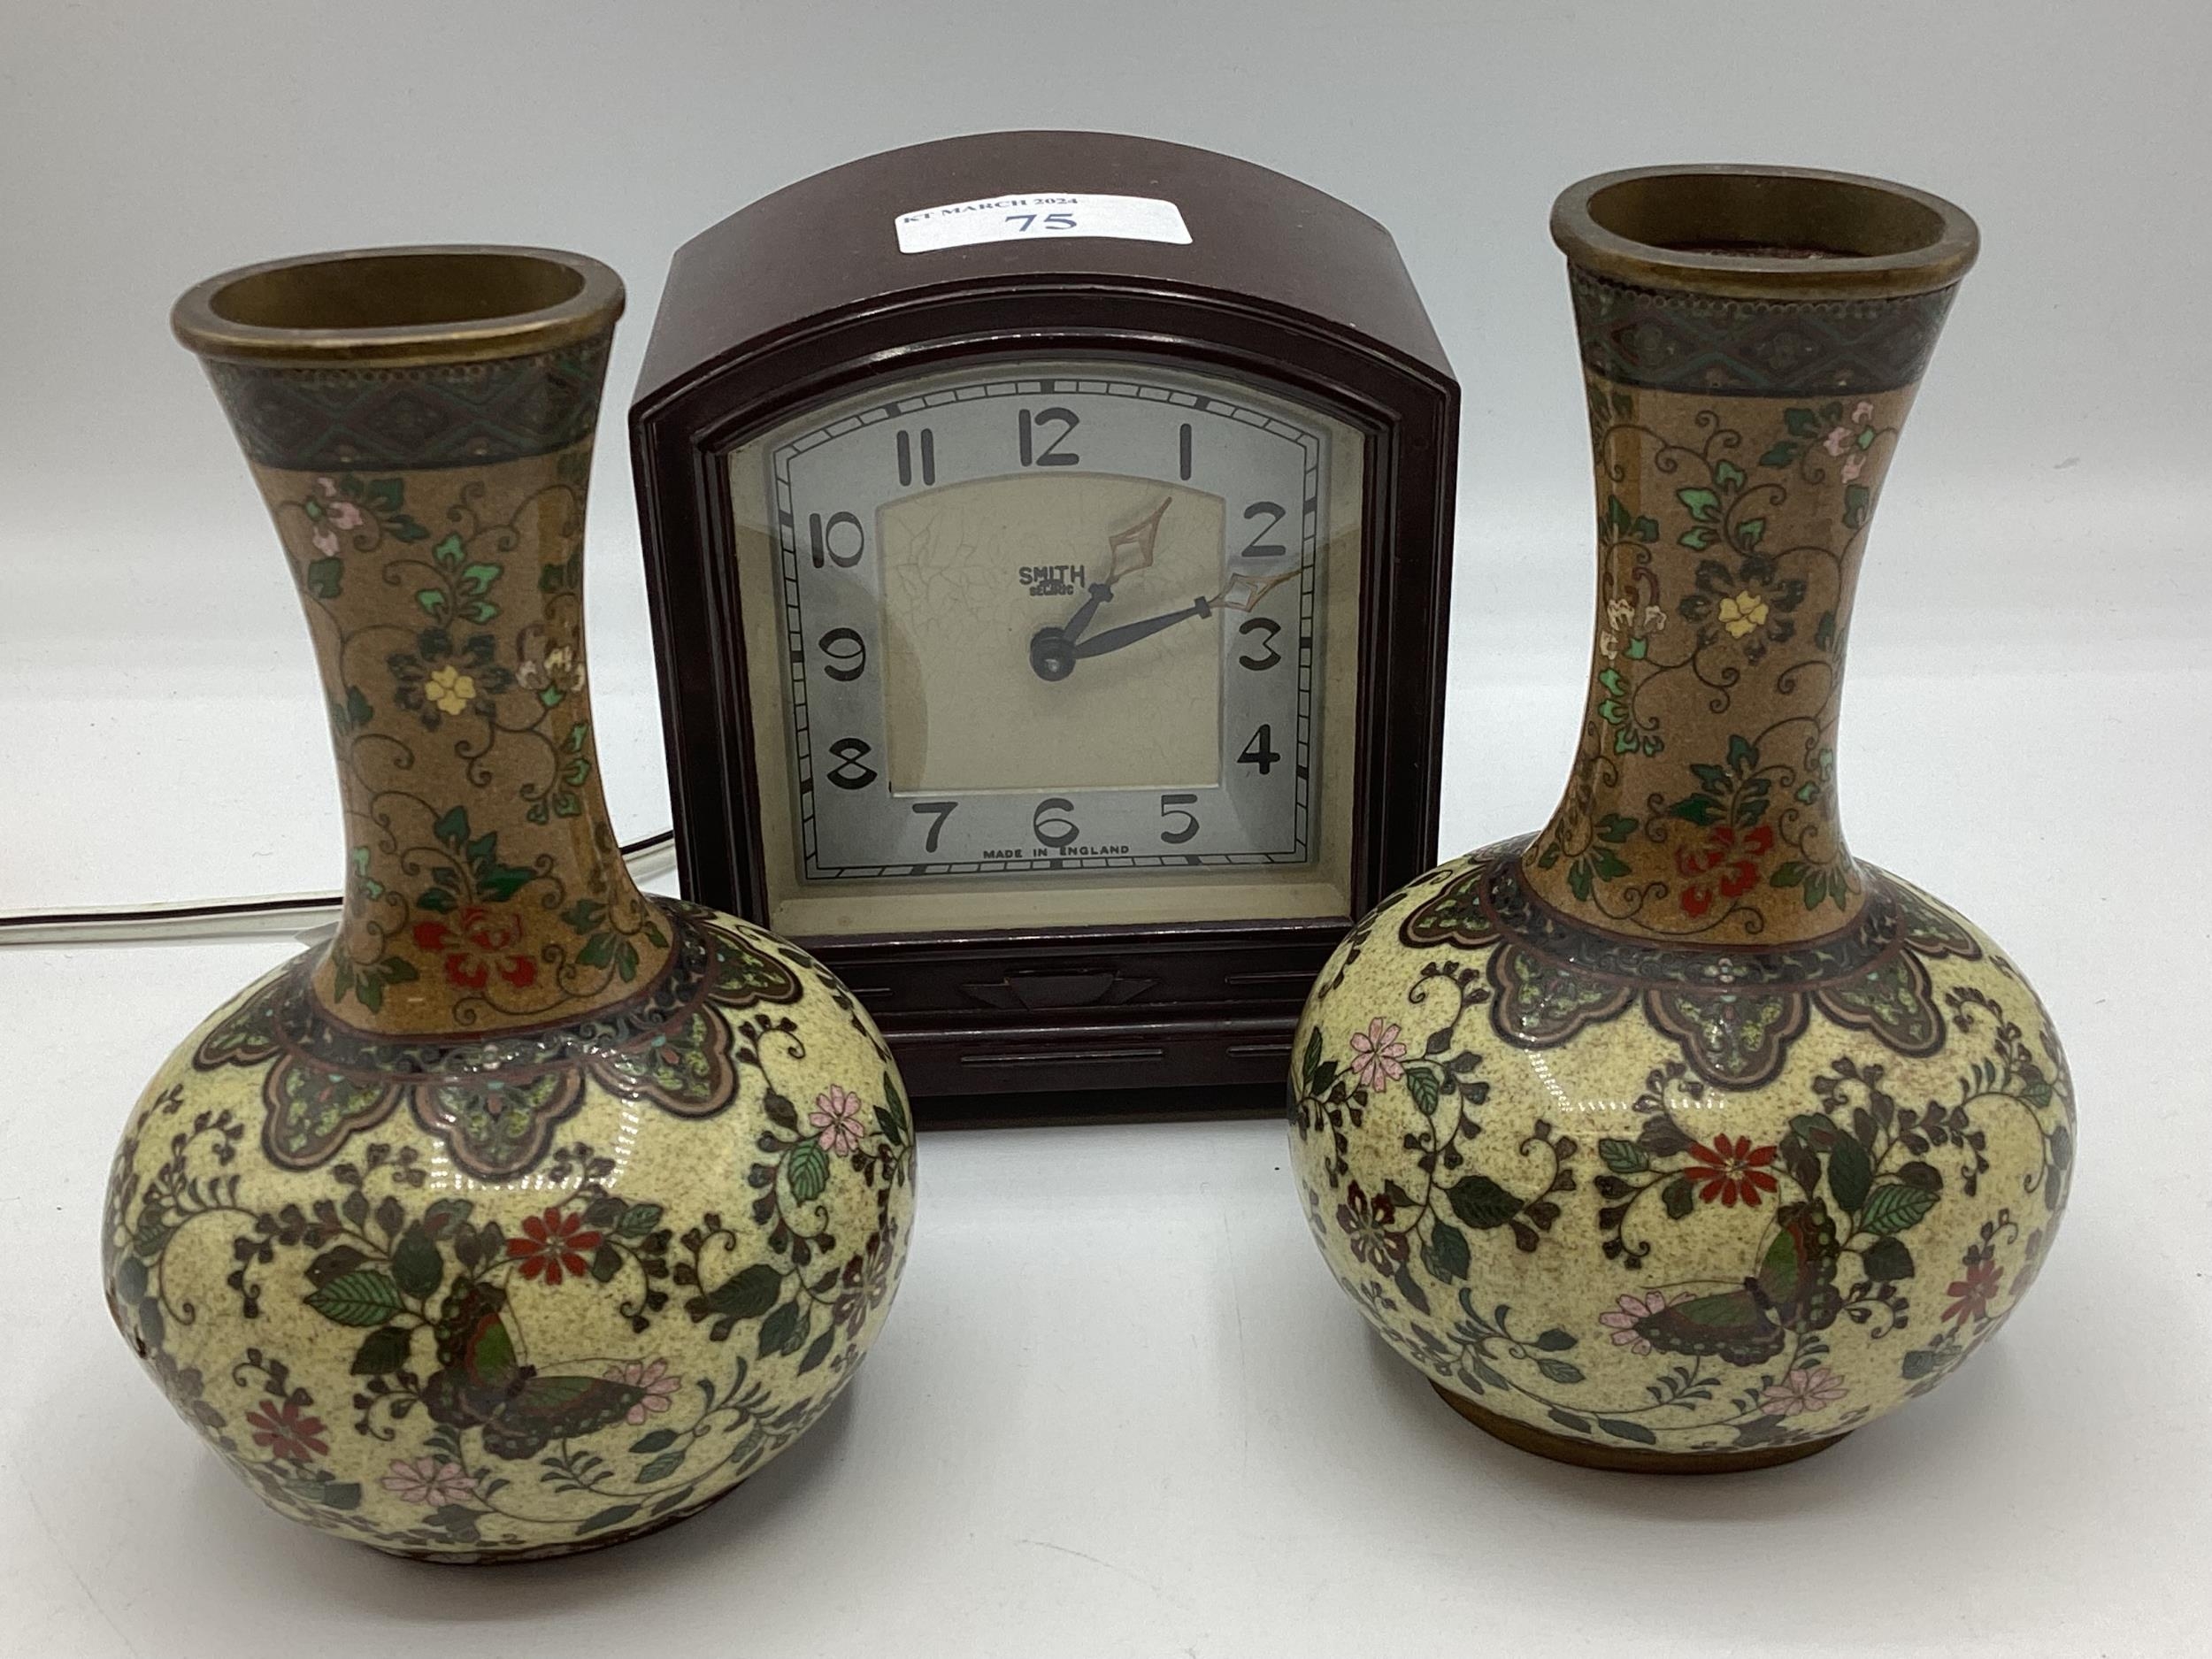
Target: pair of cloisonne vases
{"type": "Point", "coordinates": [530, 1213]}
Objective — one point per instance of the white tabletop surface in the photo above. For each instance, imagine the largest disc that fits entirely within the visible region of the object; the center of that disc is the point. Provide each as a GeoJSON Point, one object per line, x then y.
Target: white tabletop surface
{"type": "Point", "coordinates": [1120, 1408]}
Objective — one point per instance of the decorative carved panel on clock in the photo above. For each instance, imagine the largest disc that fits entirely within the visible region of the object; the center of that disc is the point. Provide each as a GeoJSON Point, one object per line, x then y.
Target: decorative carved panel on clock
{"type": "Point", "coordinates": [1051, 618]}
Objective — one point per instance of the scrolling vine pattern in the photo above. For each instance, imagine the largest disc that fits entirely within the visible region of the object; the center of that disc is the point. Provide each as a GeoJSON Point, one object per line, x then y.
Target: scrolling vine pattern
{"type": "Point", "coordinates": [484, 886]}
{"type": "Point", "coordinates": [1702, 803]}
{"type": "Point", "coordinates": [1737, 1358]}
{"type": "Point", "coordinates": [495, 1445]}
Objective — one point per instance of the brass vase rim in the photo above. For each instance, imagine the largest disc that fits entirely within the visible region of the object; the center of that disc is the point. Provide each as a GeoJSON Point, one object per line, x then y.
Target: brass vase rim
{"type": "Point", "coordinates": [400, 306]}
{"type": "Point", "coordinates": [1764, 233]}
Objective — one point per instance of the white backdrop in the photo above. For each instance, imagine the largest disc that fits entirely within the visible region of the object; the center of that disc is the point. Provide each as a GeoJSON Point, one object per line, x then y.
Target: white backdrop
{"type": "Point", "coordinates": [1121, 1409]}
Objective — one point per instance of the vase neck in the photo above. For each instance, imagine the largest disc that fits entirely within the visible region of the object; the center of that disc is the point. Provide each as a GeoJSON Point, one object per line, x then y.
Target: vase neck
{"type": "Point", "coordinates": [442, 586]}
{"type": "Point", "coordinates": [1733, 499]}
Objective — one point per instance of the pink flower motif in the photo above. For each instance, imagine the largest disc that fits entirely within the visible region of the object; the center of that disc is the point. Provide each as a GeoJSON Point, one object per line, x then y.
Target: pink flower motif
{"type": "Point", "coordinates": [1622, 1320]}
{"type": "Point", "coordinates": [427, 1480]}
{"type": "Point", "coordinates": [1378, 1056]}
{"type": "Point", "coordinates": [1838, 440]}
{"type": "Point", "coordinates": [325, 542]}
{"type": "Point", "coordinates": [1863, 413]}
{"type": "Point", "coordinates": [345, 515]}
{"type": "Point", "coordinates": [1853, 467]}
{"type": "Point", "coordinates": [835, 1120]}
{"type": "Point", "coordinates": [1801, 1391]}
{"type": "Point", "coordinates": [653, 1376]}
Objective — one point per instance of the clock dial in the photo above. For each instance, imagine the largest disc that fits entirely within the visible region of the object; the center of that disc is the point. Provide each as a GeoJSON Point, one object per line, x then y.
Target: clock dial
{"type": "Point", "coordinates": [1056, 642]}
{"type": "Point", "coordinates": [1053, 621]}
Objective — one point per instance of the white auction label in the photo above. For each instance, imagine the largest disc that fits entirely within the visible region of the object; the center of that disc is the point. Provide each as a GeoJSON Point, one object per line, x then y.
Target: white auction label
{"type": "Point", "coordinates": [1037, 215]}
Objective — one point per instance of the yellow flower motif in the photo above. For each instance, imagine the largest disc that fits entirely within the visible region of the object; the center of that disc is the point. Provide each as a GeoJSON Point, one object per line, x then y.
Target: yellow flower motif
{"type": "Point", "coordinates": [1741, 614]}
{"type": "Point", "coordinates": [450, 689]}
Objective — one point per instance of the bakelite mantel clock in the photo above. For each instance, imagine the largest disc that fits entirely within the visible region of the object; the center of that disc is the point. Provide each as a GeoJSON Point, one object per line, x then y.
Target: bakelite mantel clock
{"type": "Point", "coordinates": [1047, 537]}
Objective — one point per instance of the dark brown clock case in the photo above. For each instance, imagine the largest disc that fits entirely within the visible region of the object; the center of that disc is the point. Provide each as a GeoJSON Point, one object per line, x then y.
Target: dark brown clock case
{"type": "Point", "coordinates": [804, 296]}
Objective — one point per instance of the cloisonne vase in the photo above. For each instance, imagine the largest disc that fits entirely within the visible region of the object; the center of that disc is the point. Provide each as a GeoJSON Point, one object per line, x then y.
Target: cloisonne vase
{"type": "Point", "coordinates": [530, 1213]}
{"type": "Point", "coordinates": [1673, 1137]}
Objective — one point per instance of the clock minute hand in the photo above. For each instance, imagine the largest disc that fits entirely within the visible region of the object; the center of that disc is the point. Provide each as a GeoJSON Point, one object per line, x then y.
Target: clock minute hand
{"type": "Point", "coordinates": [1130, 632]}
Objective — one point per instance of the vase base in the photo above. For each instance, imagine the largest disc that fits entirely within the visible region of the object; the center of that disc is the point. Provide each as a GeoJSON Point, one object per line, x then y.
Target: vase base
{"type": "Point", "coordinates": [1565, 1449]}
{"type": "Point", "coordinates": [555, 1552]}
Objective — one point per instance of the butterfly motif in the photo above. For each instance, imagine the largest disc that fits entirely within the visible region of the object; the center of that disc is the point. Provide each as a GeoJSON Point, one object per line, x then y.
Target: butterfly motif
{"type": "Point", "coordinates": [479, 1382]}
{"type": "Point", "coordinates": [1794, 1290]}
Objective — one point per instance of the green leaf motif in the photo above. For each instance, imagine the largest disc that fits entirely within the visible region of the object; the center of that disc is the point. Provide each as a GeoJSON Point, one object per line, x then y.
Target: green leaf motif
{"type": "Point", "coordinates": [449, 553]}
{"type": "Point", "coordinates": [1481, 1204]}
{"type": "Point", "coordinates": [325, 577]}
{"type": "Point", "coordinates": [1856, 500]}
{"type": "Point", "coordinates": [606, 1262]}
{"type": "Point", "coordinates": [1802, 422]}
{"type": "Point", "coordinates": [1616, 827]}
{"type": "Point", "coordinates": [784, 1330]}
{"type": "Point", "coordinates": [1560, 1371]}
{"type": "Point", "coordinates": [659, 1440]}
{"type": "Point", "coordinates": [1704, 504]}
{"type": "Point", "coordinates": [1621, 1429]}
{"type": "Point", "coordinates": [1886, 1261]}
{"type": "Point", "coordinates": [666, 1465]}
{"type": "Point", "coordinates": [1446, 1253]}
{"type": "Point", "coordinates": [808, 1166]}
{"type": "Point", "coordinates": [748, 1293]}
{"type": "Point", "coordinates": [606, 1518]}
{"type": "Point", "coordinates": [1788, 875]}
{"type": "Point", "coordinates": [384, 1352]}
{"type": "Point", "coordinates": [1893, 1207]}
{"type": "Point", "coordinates": [362, 1299]}
{"type": "Point", "coordinates": [1425, 1084]}
{"type": "Point", "coordinates": [417, 1267]}
{"type": "Point", "coordinates": [1312, 1063]}
{"type": "Point", "coordinates": [1679, 1198]}
{"type": "Point", "coordinates": [1699, 537]}
{"type": "Point", "coordinates": [1623, 1157]}
{"type": "Point", "coordinates": [638, 1221]}
{"type": "Point", "coordinates": [1728, 476]}
{"type": "Point", "coordinates": [1849, 1173]}
{"type": "Point", "coordinates": [1556, 1340]}
{"type": "Point", "coordinates": [1782, 454]}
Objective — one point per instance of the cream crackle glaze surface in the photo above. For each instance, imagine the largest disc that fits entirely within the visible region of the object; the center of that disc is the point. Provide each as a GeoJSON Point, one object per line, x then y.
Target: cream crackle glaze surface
{"type": "Point", "coordinates": [530, 1213]}
{"type": "Point", "coordinates": [1674, 1136]}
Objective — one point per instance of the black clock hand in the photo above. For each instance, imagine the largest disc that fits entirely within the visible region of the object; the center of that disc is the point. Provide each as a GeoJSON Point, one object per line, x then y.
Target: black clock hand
{"type": "Point", "coordinates": [1130, 632]}
{"type": "Point", "coordinates": [1072, 629]}
{"type": "Point", "coordinates": [1052, 652]}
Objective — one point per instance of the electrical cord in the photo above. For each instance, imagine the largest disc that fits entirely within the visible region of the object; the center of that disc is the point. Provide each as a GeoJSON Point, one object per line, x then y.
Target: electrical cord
{"type": "Point", "coordinates": [308, 916]}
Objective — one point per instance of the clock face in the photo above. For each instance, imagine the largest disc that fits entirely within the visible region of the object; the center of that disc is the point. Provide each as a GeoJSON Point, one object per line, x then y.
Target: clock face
{"type": "Point", "coordinates": [1066, 626]}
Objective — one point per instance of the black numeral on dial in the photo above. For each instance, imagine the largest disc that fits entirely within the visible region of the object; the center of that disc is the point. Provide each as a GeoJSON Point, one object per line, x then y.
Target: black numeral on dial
{"type": "Point", "coordinates": [1171, 806]}
{"type": "Point", "coordinates": [839, 538]}
{"type": "Point", "coordinates": [937, 812]}
{"type": "Point", "coordinates": [851, 771]}
{"type": "Point", "coordinates": [1267, 628]}
{"type": "Point", "coordinates": [1261, 751]}
{"type": "Point", "coordinates": [1051, 455]}
{"type": "Point", "coordinates": [1255, 549]}
{"type": "Point", "coordinates": [1052, 827]}
{"type": "Point", "coordinates": [928, 448]}
{"type": "Point", "coordinates": [847, 654]}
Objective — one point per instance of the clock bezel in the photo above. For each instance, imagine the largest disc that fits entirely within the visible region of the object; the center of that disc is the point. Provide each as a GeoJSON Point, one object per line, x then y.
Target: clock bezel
{"type": "Point", "coordinates": [1035, 1011]}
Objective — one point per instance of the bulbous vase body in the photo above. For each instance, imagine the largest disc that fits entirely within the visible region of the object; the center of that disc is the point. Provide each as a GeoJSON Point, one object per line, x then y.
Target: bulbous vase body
{"type": "Point", "coordinates": [530, 1213]}
{"type": "Point", "coordinates": [1674, 1137]}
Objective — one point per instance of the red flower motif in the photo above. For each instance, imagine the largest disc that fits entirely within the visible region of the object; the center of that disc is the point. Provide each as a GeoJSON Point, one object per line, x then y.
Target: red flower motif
{"type": "Point", "coordinates": [1971, 1296]}
{"type": "Point", "coordinates": [279, 1426]}
{"type": "Point", "coordinates": [553, 1244]}
{"type": "Point", "coordinates": [476, 944]}
{"type": "Point", "coordinates": [1734, 1171]}
{"type": "Point", "coordinates": [1736, 861]}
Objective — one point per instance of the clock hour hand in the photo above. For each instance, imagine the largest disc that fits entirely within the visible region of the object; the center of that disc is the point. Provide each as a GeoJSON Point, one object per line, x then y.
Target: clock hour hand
{"type": "Point", "coordinates": [1052, 651]}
